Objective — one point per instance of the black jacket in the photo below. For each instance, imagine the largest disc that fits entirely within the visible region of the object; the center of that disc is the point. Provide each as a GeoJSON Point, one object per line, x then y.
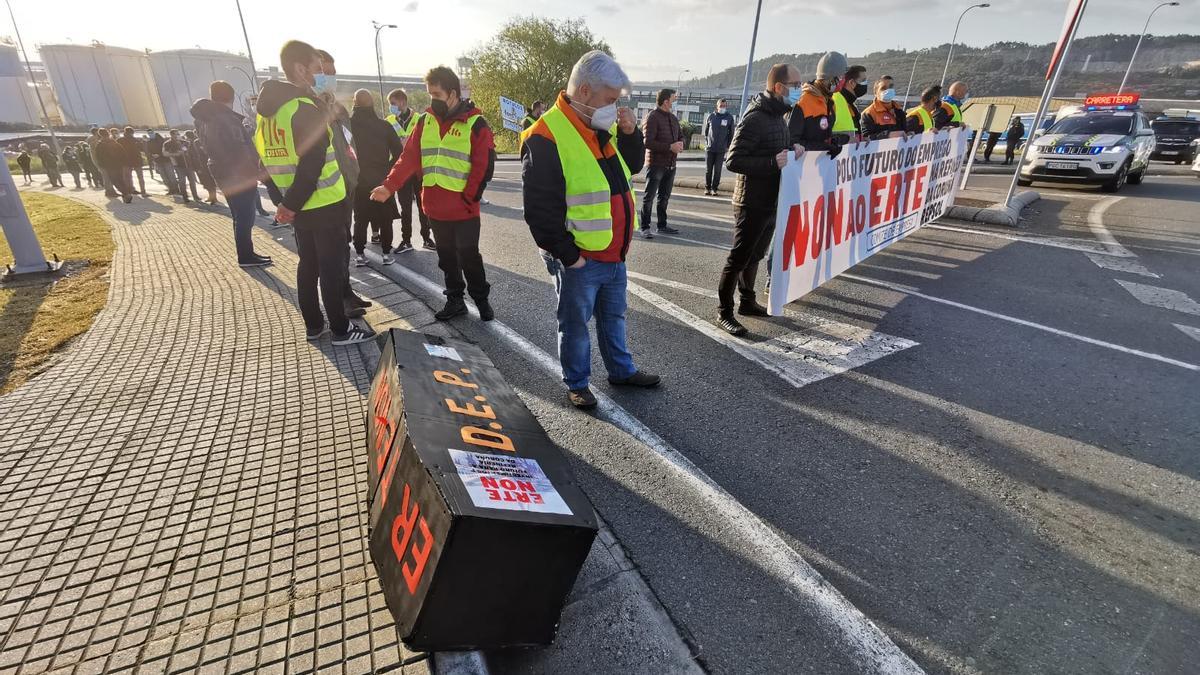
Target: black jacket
{"type": "Point", "coordinates": [232, 159]}
{"type": "Point", "coordinates": [759, 137]}
{"type": "Point", "coordinates": [376, 144]}
{"type": "Point", "coordinates": [718, 131]}
{"type": "Point", "coordinates": [310, 131]}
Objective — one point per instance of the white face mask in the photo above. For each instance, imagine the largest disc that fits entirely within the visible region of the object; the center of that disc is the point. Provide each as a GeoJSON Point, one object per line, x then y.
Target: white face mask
{"type": "Point", "coordinates": [603, 117]}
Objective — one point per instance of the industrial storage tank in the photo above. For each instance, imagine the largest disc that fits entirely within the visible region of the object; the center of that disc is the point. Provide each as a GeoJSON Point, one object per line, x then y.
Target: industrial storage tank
{"type": "Point", "coordinates": [17, 103]}
{"type": "Point", "coordinates": [98, 84]}
{"type": "Point", "coordinates": [183, 75]}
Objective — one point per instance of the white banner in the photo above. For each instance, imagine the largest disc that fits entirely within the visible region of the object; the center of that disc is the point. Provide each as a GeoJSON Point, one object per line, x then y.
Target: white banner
{"type": "Point", "coordinates": [835, 212]}
{"type": "Point", "coordinates": [512, 113]}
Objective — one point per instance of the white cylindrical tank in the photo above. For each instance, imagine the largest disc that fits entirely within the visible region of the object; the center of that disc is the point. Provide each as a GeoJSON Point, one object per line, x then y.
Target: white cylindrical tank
{"type": "Point", "coordinates": [98, 84]}
{"type": "Point", "coordinates": [183, 75]}
{"type": "Point", "coordinates": [17, 102]}
{"type": "Point", "coordinates": [136, 87]}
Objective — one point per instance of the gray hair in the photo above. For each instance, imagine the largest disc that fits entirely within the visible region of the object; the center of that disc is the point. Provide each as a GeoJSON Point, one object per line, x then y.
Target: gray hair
{"type": "Point", "coordinates": [597, 69]}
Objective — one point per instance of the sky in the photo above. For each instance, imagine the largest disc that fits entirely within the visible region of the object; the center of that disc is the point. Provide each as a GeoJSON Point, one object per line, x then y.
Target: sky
{"type": "Point", "coordinates": [653, 39]}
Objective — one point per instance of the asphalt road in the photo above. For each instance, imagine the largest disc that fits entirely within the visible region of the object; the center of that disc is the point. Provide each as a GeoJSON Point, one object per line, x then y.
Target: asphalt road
{"type": "Point", "coordinates": [1005, 480]}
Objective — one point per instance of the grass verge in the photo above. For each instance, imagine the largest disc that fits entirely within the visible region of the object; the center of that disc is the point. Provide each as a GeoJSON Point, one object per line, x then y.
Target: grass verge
{"type": "Point", "coordinates": [38, 319]}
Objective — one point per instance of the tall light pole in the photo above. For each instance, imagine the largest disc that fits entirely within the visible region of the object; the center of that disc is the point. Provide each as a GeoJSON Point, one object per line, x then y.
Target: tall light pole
{"type": "Point", "coordinates": [379, 58]}
{"type": "Point", "coordinates": [955, 39]}
{"type": "Point", "coordinates": [750, 62]}
{"type": "Point", "coordinates": [249, 52]}
{"type": "Point", "coordinates": [1139, 43]}
{"type": "Point", "coordinates": [911, 75]}
{"type": "Point", "coordinates": [29, 69]}
{"type": "Point", "coordinates": [679, 79]}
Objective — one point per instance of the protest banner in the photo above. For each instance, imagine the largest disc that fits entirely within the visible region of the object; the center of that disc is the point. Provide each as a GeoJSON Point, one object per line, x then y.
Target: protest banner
{"type": "Point", "coordinates": [835, 212]}
{"type": "Point", "coordinates": [512, 113]}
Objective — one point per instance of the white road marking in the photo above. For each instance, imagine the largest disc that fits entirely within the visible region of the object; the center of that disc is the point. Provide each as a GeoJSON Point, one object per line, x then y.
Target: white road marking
{"type": "Point", "coordinates": [1068, 243]}
{"type": "Point", "coordinates": [1189, 331]}
{"type": "Point", "coordinates": [899, 288]}
{"type": "Point", "coordinates": [871, 644]}
{"type": "Point", "coordinates": [692, 241]}
{"type": "Point", "coordinates": [1166, 298]}
{"type": "Point", "coordinates": [1096, 223]}
{"type": "Point", "coordinates": [1119, 264]}
{"type": "Point", "coordinates": [799, 358]}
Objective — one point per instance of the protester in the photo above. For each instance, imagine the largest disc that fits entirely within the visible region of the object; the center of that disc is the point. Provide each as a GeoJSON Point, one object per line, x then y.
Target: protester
{"type": "Point", "coordinates": [951, 106]}
{"type": "Point", "coordinates": [884, 118]}
{"type": "Point", "coordinates": [760, 149]}
{"type": "Point", "coordinates": [404, 121]}
{"type": "Point", "coordinates": [162, 163]}
{"type": "Point", "coordinates": [198, 162]}
{"type": "Point", "coordinates": [921, 118]}
{"type": "Point", "coordinates": [133, 151]}
{"type": "Point", "coordinates": [232, 163]}
{"type": "Point", "coordinates": [535, 113]}
{"type": "Point", "coordinates": [718, 131]}
{"type": "Point", "coordinates": [71, 162]}
{"type": "Point", "coordinates": [50, 165]}
{"type": "Point", "coordinates": [378, 148]}
{"type": "Point", "coordinates": [301, 164]}
{"type": "Point", "coordinates": [989, 145]}
{"type": "Point", "coordinates": [580, 207]}
{"type": "Point", "coordinates": [114, 163]}
{"type": "Point", "coordinates": [92, 141]}
{"type": "Point", "coordinates": [845, 113]}
{"type": "Point", "coordinates": [175, 150]}
{"type": "Point", "coordinates": [1016, 131]}
{"type": "Point", "coordinates": [25, 161]}
{"type": "Point", "coordinates": [811, 121]}
{"type": "Point", "coordinates": [453, 151]}
{"type": "Point", "coordinates": [664, 142]}
{"type": "Point", "coordinates": [90, 171]}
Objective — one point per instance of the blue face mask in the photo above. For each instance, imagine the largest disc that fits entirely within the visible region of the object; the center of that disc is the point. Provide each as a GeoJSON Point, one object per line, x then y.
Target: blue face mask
{"type": "Point", "coordinates": [793, 95]}
{"type": "Point", "coordinates": [395, 109]}
{"type": "Point", "coordinates": [324, 84]}
{"type": "Point", "coordinates": [888, 95]}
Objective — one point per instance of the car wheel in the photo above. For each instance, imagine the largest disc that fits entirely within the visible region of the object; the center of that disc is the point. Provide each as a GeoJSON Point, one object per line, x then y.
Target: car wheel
{"type": "Point", "coordinates": [1137, 178]}
{"type": "Point", "coordinates": [1179, 161]}
{"type": "Point", "coordinates": [1118, 181]}
{"type": "Point", "coordinates": [1024, 182]}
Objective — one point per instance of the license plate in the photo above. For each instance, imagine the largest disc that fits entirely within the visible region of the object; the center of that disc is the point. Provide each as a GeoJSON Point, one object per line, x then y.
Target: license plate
{"type": "Point", "coordinates": [1062, 165]}
{"type": "Point", "coordinates": [1170, 152]}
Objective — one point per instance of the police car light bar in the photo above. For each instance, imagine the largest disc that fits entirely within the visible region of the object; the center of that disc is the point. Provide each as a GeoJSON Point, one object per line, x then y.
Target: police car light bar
{"type": "Point", "coordinates": [1112, 100]}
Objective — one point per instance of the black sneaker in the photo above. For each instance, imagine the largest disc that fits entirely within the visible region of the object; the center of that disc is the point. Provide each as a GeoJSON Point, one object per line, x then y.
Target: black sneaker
{"type": "Point", "coordinates": [404, 247]}
{"type": "Point", "coordinates": [354, 312]}
{"type": "Point", "coordinates": [429, 245]}
{"type": "Point", "coordinates": [582, 398]}
{"type": "Point", "coordinates": [255, 262]}
{"type": "Point", "coordinates": [355, 335]}
{"type": "Point", "coordinates": [667, 229]}
{"type": "Point", "coordinates": [454, 307]}
{"type": "Point", "coordinates": [646, 233]}
{"type": "Point", "coordinates": [752, 308]}
{"type": "Point", "coordinates": [638, 379]}
{"type": "Point", "coordinates": [486, 313]}
{"type": "Point", "coordinates": [375, 238]}
{"type": "Point", "coordinates": [356, 301]}
{"type": "Point", "coordinates": [730, 325]}
{"type": "Point", "coordinates": [314, 334]}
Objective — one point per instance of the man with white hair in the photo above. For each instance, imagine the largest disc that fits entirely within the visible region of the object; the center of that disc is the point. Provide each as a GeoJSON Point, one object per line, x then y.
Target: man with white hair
{"type": "Point", "coordinates": [576, 163]}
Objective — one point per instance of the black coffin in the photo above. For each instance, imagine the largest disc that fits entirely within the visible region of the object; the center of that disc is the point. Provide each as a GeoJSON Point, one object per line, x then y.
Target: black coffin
{"type": "Point", "coordinates": [477, 526]}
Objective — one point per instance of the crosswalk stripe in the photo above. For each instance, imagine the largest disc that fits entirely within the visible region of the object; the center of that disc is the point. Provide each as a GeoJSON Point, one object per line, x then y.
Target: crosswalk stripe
{"type": "Point", "coordinates": [1165, 298]}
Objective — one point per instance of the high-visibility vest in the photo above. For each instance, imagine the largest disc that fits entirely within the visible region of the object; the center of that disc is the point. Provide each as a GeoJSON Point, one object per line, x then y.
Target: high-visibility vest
{"type": "Point", "coordinates": [843, 118]}
{"type": "Point", "coordinates": [955, 113]}
{"type": "Point", "coordinates": [446, 160]}
{"type": "Point", "coordinates": [926, 118]}
{"type": "Point", "coordinates": [528, 121]}
{"type": "Point", "coordinates": [402, 130]}
{"type": "Point", "coordinates": [589, 197]}
{"type": "Point", "coordinates": [276, 145]}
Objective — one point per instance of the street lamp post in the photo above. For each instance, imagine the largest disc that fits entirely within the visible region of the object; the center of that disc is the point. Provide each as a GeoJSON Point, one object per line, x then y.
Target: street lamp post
{"type": "Point", "coordinates": [679, 79]}
{"type": "Point", "coordinates": [750, 63]}
{"type": "Point", "coordinates": [249, 53]}
{"type": "Point", "coordinates": [378, 56]}
{"type": "Point", "coordinates": [955, 39]}
{"type": "Point", "coordinates": [1139, 43]}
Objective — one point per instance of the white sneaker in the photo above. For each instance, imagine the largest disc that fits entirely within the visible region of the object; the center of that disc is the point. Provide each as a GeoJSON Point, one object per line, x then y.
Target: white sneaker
{"type": "Point", "coordinates": [388, 259]}
{"type": "Point", "coordinates": [360, 260]}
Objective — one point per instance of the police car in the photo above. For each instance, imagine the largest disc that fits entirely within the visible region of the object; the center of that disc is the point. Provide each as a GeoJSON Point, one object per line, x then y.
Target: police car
{"type": "Point", "coordinates": [1106, 142]}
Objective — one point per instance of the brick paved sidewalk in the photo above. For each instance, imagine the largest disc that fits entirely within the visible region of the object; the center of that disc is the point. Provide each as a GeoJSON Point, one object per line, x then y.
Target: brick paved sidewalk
{"type": "Point", "coordinates": [183, 490]}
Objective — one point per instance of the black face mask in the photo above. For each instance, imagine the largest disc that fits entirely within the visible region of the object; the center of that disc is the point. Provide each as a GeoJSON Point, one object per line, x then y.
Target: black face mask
{"type": "Point", "coordinates": [439, 108]}
{"type": "Point", "coordinates": [860, 89]}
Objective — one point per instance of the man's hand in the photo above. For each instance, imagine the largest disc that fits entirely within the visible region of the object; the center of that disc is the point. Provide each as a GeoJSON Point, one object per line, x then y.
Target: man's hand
{"type": "Point", "coordinates": [626, 121]}
{"type": "Point", "coordinates": [799, 150]}
{"type": "Point", "coordinates": [782, 158]}
{"type": "Point", "coordinates": [284, 215]}
{"type": "Point", "coordinates": [898, 134]}
{"type": "Point", "coordinates": [580, 262]}
{"type": "Point", "coordinates": [677, 147]}
{"type": "Point", "coordinates": [381, 194]}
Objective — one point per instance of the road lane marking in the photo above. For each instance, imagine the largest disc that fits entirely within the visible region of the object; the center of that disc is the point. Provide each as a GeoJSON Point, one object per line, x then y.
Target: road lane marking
{"type": "Point", "coordinates": [875, 649]}
{"type": "Point", "coordinates": [799, 358]}
{"type": "Point", "coordinates": [691, 241]}
{"type": "Point", "coordinates": [1189, 331]}
{"type": "Point", "coordinates": [1068, 243]}
{"type": "Point", "coordinates": [1119, 264]}
{"type": "Point", "coordinates": [1095, 222]}
{"type": "Point", "coordinates": [900, 288]}
{"type": "Point", "coordinates": [1165, 298]}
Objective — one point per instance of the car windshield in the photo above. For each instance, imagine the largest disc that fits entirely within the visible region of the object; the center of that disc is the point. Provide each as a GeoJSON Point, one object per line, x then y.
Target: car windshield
{"type": "Point", "coordinates": [1176, 128]}
{"type": "Point", "coordinates": [1092, 125]}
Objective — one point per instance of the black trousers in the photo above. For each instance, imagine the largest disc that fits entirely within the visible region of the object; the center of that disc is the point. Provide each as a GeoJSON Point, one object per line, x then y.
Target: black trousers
{"type": "Point", "coordinates": [323, 257]}
{"type": "Point", "coordinates": [378, 215]}
{"type": "Point", "coordinates": [659, 182]}
{"type": "Point", "coordinates": [1010, 149]}
{"type": "Point", "coordinates": [752, 230]}
{"type": "Point", "coordinates": [712, 169]}
{"type": "Point", "coordinates": [459, 257]}
{"type": "Point", "coordinates": [406, 196]}
{"type": "Point", "coordinates": [990, 145]}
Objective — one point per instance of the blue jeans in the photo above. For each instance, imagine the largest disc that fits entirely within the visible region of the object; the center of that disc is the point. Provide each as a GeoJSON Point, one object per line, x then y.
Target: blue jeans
{"type": "Point", "coordinates": [241, 205]}
{"type": "Point", "coordinates": [596, 289]}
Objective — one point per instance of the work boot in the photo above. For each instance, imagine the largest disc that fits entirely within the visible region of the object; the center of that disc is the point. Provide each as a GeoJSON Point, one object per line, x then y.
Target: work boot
{"type": "Point", "coordinates": [486, 313]}
{"type": "Point", "coordinates": [752, 308]}
{"type": "Point", "coordinates": [730, 325]}
{"type": "Point", "coordinates": [582, 398]}
{"type": "Point", "coordinates": [454, 307]}
{"type": "Point", "coordinates": [638, 379]}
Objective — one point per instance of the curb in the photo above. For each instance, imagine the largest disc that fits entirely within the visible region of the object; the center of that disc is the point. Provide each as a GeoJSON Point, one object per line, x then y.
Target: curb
{"type": "Point", "coordinates": [997, 214]}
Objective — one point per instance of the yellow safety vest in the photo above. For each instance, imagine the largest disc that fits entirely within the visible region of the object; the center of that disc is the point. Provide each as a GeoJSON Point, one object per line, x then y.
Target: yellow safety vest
{"type": "Point", "coordinates": [401, 130]}
{"type": "Point", "coordinates": [589, 197]}
{"type": "Point", "coordinates": [926, 118]}
{"type": "Point", "coordinates": [276, 145]}
{"type": "Point", "coordinates": [843, 118]}
{"type": "Point", "coordinates": [446, 160]}
{"type": "Point", "coordinates": [956, 114]}
{"type": "Point", "coordinates": [528, 121]}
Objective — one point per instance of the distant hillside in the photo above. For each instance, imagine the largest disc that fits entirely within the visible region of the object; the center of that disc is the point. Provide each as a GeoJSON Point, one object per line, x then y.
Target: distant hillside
{"type": "Point", "coordinates": [1166, 67]}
